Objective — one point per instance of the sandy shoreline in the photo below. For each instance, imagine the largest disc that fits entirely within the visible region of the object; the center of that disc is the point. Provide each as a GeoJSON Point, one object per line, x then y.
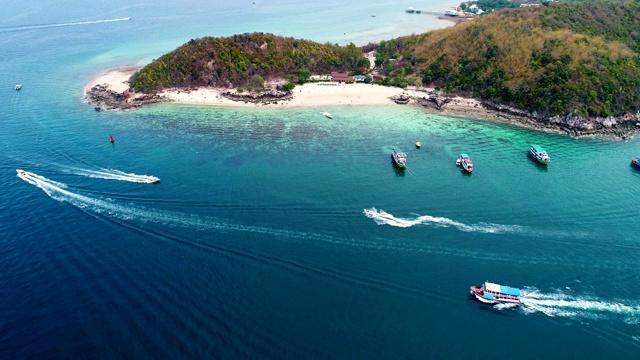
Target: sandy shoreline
{"type": "Point", "coordinates": [310, 94]}
{"type": "Point", "coordinates": [114, 84]}
{"type": "Point", "coordinates": [317, 95]}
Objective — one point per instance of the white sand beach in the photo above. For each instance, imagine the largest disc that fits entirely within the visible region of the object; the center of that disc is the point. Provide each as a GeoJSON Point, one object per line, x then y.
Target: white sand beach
{"type": "Point", "coordinates": [310, 94]}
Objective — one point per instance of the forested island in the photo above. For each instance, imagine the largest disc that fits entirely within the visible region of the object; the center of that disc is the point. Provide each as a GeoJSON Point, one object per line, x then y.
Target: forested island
{"type": "Point", "coordinates": [573, 65]}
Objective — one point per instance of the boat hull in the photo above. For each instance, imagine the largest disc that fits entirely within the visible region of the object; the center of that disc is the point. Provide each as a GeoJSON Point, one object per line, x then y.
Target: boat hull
{"type": "Point", "coordinates": [397, 163]}
{"type": "Point", "coordinates": [544, 160]}
{"type": "Point", "coordinates": [484, 297]}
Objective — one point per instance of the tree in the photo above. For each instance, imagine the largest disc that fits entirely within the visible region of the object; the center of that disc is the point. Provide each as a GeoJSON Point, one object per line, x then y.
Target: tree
{"type": "Point", "coordinates": [257, 81]}
{"type": "Point", "coordinates": [304, 74]}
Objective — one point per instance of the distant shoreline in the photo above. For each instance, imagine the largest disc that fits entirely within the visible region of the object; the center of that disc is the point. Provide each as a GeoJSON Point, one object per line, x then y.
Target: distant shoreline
{"type": "Point", "coordinates": [110, 91]}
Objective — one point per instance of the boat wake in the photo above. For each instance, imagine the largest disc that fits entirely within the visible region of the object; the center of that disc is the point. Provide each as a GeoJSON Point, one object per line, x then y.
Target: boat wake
{"type": "Point", "coordinates": [383, 218]}
{"type": "Point", "coordinates": [111, 174]}
{"type": "Point", "coordinates": [45, 26]}
{"type": "Point", "coordinates": [111, 209]}
{"type": "Point", "coordinates": [563, 305]}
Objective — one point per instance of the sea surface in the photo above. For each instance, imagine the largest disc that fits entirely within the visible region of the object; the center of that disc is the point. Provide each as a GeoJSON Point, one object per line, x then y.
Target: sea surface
{"type": "Point", "coordinates": [256, 243]}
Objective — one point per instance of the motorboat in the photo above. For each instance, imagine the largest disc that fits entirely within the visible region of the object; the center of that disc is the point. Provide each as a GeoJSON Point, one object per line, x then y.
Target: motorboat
{"type": "Point", "coordinates": [635, 162]}
{"type": "Point", "coordinates": [465, 162]}
{"type": "Point", "coordinates": [418, 145]}
{"type": "Point", "coordinates": [490, 293]}
{"type": "Point", "coordinates": [18, 87]}
{"type": "Point", "coordinates": [399, 158]}
{"type": "Point", "coordinates": [327, 115]}
{"type": "Point", "coordinates": [537, 152]}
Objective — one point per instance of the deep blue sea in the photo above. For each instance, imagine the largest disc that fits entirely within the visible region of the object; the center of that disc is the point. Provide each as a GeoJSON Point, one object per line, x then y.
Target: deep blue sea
{"type": "Point", "coordinates": [256, 244]}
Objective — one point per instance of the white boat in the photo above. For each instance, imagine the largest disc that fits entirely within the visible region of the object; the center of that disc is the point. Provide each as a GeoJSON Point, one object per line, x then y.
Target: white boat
{"type": "Point", "coordinates": [399, 158]}
{"type": "Point", "coordinates": [327, 115]}
{"type": "Point", "coordinates": [540, 154]}
{"type": "Point", "coordinates": [465, 162]}
{"type": "Point", "coordinates": [18, 87]}
{"type": "Point", "coordinates": [410, 10]}
{"type": "Point", "coordinates": [490, 293]}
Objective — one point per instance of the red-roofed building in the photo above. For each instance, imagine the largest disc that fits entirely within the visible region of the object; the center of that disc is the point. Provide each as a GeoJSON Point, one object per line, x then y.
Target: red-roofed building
{"type": "Point", "coordinates": [339, 76]}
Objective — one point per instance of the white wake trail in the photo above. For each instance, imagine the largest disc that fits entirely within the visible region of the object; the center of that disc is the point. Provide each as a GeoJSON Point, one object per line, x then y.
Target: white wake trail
{"type": "Point", "coordinates": [384, 218]}
{"type": "Point", "coordinates": [45, 26]}
{"type": "Point", "coordinates": [127, 212]}
{"type": "Point", "coordinates": [563, 305]}
{"type": "Point", "coordinates": [111, 174]}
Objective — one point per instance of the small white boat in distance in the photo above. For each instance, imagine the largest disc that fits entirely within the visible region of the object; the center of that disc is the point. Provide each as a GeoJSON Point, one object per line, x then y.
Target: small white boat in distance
{"type": "Point", "coordinates": [18, 86]}
{"type": "Point", "coordinates": [327, 115]}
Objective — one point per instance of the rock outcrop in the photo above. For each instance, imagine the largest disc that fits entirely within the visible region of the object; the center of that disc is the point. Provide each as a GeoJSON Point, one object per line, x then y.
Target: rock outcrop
{"type": "Point", "coordinates": [104, 99]}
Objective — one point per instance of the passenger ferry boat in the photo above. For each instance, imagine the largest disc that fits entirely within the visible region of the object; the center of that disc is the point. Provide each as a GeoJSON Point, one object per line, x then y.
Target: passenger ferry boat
{"type": "Point", "coordinates": [540, 155]}
{"type": "Point", "coordinates": [635, 162]}
{"type": "Point", "coordinates": [490, 293]}
{"type": "Point", "coordinates": [465, 162]}
{"type": "Point", "coordinates": [399, 158]}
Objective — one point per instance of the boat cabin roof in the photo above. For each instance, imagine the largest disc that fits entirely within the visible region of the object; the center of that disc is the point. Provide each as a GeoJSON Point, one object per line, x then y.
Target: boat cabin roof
{"type": "Point", "coordinates": [464, 156]}
{"type": "Point", "coordinates": [537, 148]}
{"type": "Point", "coordinates": [502, 289]}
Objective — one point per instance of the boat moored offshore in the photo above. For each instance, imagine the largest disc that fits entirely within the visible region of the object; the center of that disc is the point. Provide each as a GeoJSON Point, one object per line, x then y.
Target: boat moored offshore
{"type": "Point", "coordinates": [465, 162]}
{"type": "Point", "coordinates": [490, 293]}
{"type": "Point", "coordinates": [540, 154]}
{"type": "Point", "coordinates": [635, 162]}
{"type": "Point", "coordinates": [399, 158]}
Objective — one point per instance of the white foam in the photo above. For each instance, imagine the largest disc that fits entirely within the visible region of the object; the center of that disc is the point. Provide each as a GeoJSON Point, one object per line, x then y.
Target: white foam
{"type": "Point", "coordinates": [111, 174]}
{"type": "Point", "coordinates": [560, 304]}
{"type": "Point", "coordinates": [45, 26]}
{"type": "Point", "coordinates": [383, 218]}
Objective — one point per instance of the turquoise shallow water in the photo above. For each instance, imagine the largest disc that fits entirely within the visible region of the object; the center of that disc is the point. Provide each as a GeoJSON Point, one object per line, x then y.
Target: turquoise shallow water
{"type": "Point", "coordinates": [256, 244]}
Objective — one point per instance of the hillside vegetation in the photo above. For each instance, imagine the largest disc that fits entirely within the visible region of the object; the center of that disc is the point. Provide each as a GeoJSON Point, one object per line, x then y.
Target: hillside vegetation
{"type": "Point", "coordinates": [580, 58]}
{"type": "Point", "coordinates": [555, 59]}
{"type": "Point", "coordinates": [245, 59]}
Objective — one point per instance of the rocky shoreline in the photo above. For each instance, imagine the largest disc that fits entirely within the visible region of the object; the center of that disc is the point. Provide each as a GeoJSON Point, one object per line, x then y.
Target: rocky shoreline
{"type": "Point", "coordinates": [621, 127]}
{"type": "Point", "coordinates": [105, 99]}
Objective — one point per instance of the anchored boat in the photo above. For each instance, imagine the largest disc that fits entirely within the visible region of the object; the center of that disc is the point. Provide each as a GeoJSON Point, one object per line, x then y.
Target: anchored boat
{"type": "Point", "coordinates": [635, 162]}
{"type": "Point", "coordinates": [490, 293]}
{"type": "Point", "coordinates": [537, 152]}
{"type": "Point", "coordinates": [465, 162]}
{"type": "Point", "coordinates": [327, 115]}
{"type": "Point", "coordinates": [399, 158]}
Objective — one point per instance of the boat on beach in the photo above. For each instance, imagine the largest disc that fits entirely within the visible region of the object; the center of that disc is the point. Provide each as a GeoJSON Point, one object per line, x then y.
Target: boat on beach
{"type": "Point", "coordinates": [327, 115]}
{"type": "Point", "coordinates": [465, 162]}
{"type": "Point", "coordinates": [539, 154]}
{"type": "Point", "coordinates": [399, 158]}
{"type": "Point", "coordinates": [490, 293]}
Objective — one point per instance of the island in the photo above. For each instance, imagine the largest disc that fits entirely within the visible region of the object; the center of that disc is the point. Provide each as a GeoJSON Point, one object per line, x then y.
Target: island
{"type": "Point", "coordinates": [566, 67]}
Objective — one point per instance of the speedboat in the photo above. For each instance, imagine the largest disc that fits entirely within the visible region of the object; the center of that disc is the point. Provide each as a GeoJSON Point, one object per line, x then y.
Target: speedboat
{"type": "Point", "coordinates": [23, 174]}
{"type": "Point", "coordinates": [490, 293]}
{"type": "Point", "coordinates": [418, 145]}
{"type": "Point", "coordinates": [18, 87]}
{"type": "Point", "coordinates": [327, 115]}
{"type": "Point", "coordinates": [399, 158]}
{"type": "Point", "coordinates": [635, 162]}
{"type": "Point", "coordinates": [537, 152]}
{"type": "Point", "coordinates": [465, 162]}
